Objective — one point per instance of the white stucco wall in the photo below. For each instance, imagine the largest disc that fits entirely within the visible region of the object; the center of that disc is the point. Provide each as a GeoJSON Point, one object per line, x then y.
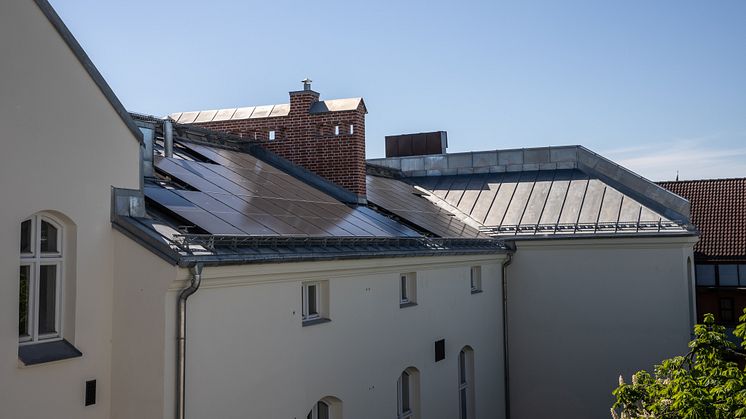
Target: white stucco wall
{"type": "Point", "coordinates": [581, 312]}
{"type": "Point", "coordinates": [63, 148]}
{"type": "Point", "coordinates": [249, 357]}
{"type": "Point", "coordinates": [139, 338]}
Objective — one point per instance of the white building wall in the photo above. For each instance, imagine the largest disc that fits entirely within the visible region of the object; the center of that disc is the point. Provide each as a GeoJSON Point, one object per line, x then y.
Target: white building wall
{"type": "Point", "coordinates": [248, 356]}
{"type": "Point", "coordinates": [582, 312]}
{"type": "Point", "coordinates": [63, 148]}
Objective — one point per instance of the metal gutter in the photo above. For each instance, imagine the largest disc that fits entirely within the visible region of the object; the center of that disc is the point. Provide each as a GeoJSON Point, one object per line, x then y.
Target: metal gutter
{"type": "Point", "coordinates": [88, 65]}
{"type": "Point", "coordinates": [181, 340]}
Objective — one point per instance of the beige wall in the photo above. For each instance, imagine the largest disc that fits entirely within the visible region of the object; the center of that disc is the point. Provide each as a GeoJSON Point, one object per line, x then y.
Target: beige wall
{"type": "Point", "coordinates": [63, 147]}
{"type": "Point", "coordinates": [581, 312]}
{"type": "Point", "coordinates": [249, 357]}
{"type": "Point", "coordinates": [138, 342]}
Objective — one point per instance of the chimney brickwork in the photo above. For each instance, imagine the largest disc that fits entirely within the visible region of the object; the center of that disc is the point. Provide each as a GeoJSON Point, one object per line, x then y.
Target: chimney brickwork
{"type": "Point", "coordinates": [321, 142]}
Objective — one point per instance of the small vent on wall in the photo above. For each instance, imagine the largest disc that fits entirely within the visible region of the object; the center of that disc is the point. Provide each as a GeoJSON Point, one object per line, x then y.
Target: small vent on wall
{"type": "Point", "coordinates": [90, 392]}
{"type": "Point", "coordinates": [440, 350]}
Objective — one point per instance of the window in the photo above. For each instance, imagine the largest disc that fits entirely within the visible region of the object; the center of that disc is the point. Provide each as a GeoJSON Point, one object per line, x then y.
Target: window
{"type": "Point", "coordinates": [41, 280]}
{"type": "Point", "coordinates": [723, 275]}
{"type": "Point", "coordinates": [336, 130]}
{"type": "Point", "coordinates": [728, 275]}
{"type": "Point", "coordinates": [705, 275]}
{"type": "Point", "coordinates": [407, 289]}
{"type": "Point", "coordinates": [271, 135]}
{"type": "Point", "coordinates": [466, 383]}
{"type": "Point", "coordinates": [475, 279]}
{"type": "Point", "coordinates": [727, 310]}
{"type": "Point", "coordinates": [319, 411]}
{"type": "Point", "coordinates": [352, 129]}
{"type": "Point", "coordinates": [407, 391]}
{"type": "Point", "coordinates": [314, 302]}
{"type": "Point", "coordinates": [326, 408]}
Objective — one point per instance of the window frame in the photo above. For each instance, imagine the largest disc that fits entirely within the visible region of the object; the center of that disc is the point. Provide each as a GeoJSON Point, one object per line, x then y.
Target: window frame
{"type": "Point", "coordinates": [306, 315]}
{"type": "Point", "coordinates": [407, 286]}
{"type": "Point", "coordinates": [466, 397]}
{"type": "Point", "coordinates": [35, 260]}
{"type": "Point", "coordinates": [475, 279]}
{"type": "Point", "coordinates": [740, 272]}
{"type": "Point", "coordinates": [314, 413]}
{"type": "Point", "coordinates": [401, 413]}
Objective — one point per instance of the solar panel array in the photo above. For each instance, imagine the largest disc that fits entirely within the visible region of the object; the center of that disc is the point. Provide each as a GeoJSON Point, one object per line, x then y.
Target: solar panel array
{"type": "Point", "coordinates": [406, 202]}
{"type": "Point", "coordinates": [238, 194]}
{"type": "Point", "coordinates": [547, 201]}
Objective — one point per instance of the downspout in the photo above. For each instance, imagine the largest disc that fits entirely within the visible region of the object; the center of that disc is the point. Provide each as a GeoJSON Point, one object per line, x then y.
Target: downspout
{"type": "Point", "coordinates": [181, 340]}
{"type": "Point", "coordinates": [506, 363]}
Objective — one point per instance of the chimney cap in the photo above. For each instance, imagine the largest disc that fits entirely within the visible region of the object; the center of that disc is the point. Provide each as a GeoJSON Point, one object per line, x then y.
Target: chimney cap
{"type": "Point", "coordinates": [306, 83]}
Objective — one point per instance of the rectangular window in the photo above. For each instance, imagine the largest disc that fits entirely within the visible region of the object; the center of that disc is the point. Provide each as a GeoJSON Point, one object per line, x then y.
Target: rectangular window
{"type": "Point", "coordinates": [271, 135]}
{"type": "Point", "coordinates": [336, 130]}
{"type": "Point", "coordinates": [475, 279]}
{"type": "Point", "coordinates": [352, 129]}
{"type": "Point", "coordinates": [315, 304]}
{"type": "Point", "coordinates": [705, 275]}
{"type": "Point", "coordinates": [24, 307]}
{"type": "Point", "coordinates": [407, 289]}
{"type": "Point", "coordinates": [742, 275]}
{"type": "Point", "coordinates": [727, 311]}
{"type": "Point", "coordinates": [47, 300]}
{"type": "Point", "coordinates": [728, 275]}
{"type": "Point", "coordinates": [310, 301]}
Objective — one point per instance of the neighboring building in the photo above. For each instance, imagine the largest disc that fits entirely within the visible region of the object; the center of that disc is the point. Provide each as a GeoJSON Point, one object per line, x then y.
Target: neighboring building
{"type": "Point", "coordinates": [154, 268]}
{"type": "Point", "coordinates": [323, 136]}
{"type": "Point", "coordinates": [719, 212]}
{"type": "Point", "coordinates": [602, 266]}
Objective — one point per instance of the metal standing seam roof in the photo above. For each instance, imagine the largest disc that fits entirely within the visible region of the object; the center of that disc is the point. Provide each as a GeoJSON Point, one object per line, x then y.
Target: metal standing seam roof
{"type": "Point", "coordinates": [264, 111]}
{"type": "Point", "coordinates": [718, 212]}
{"type": "Point", "coordinates": [543, 202]}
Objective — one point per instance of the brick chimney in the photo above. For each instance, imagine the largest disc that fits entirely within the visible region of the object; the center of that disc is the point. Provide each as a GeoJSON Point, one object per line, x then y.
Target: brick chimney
{"type": "Point", "coordinates": [325, 137]}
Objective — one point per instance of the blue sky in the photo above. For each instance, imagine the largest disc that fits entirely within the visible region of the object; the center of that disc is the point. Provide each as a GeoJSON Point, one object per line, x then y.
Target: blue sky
{"type": "Point", "coordinates": [658, 86]}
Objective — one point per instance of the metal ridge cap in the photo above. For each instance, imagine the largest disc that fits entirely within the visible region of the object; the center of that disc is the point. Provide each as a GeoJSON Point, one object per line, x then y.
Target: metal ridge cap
{"type": "Point", "coordinates": [640, 188]}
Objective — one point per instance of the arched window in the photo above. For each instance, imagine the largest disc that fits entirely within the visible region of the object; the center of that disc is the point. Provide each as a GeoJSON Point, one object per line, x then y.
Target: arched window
{"type": "Point", "coordinates": [41, 277]}
{"type": "Point", "coordinates": [466, 383]}
{"type": "Point", "coordinates": [408, 394]}
{"type": "Point", "coordinates": [326, 408]}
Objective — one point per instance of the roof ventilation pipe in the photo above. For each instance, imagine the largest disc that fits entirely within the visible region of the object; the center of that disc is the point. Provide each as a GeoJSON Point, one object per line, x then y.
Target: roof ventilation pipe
{"type": "Point", "coordinates": [168, 138]}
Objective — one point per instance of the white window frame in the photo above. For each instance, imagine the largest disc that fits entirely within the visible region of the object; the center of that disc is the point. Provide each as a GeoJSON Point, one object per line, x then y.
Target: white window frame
{"type": "Point", "coordinates": [306, 315]}
{"type": "Point", "coordinates": [400, 412]}
{"type": "Point", "coordinates": [466, 386]}
{"type": "Point", "coordinates": [475, 279]}
{"type": "Point", "coordinates": [407, 288]}
{"type": "Point", "coordinates": [314, 413]}
{"type": "Point", "coordinates": [35, 260]}
{"type": "Point", "coordinates": [336, 130]}
{"type": "Point", "coordinates": [271, 135]}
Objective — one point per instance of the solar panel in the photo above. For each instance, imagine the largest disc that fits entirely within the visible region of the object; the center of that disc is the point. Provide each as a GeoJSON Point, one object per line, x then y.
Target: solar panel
{"type": "Point", "coordinates": [404, 200]}
{"type": "Point", "coordinates": [190, 212]}
{"type": "Point", "coordinates": [258, 199]}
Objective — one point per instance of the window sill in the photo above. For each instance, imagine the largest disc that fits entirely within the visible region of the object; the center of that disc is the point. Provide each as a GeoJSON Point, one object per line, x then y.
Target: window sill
{"type": "Point", "coordinates": [315, 321]}
{"type": "Point", "coordinates": [408, 304]}
{"type": "Point", "coordinates": [476, 291]}
{"type": "Point", "coordinates": [40, 353]}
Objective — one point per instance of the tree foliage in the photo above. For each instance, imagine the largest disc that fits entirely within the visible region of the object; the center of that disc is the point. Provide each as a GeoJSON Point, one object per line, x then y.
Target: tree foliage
{"type": "Point", "coordinates": [706, 383]}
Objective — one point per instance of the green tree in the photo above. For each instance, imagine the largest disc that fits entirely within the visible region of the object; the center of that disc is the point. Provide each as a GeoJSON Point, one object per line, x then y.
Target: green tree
{"type": "Point", "coordinates": [706, 383]}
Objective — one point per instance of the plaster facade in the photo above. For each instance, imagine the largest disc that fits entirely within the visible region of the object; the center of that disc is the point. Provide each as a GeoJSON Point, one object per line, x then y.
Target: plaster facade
{"type": "Point", "coordinates": [64, 147]}
{"type": "Point", "coordinates": [582, 312]}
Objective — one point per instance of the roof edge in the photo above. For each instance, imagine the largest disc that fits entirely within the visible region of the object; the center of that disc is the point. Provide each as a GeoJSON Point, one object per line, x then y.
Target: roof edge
{"type": "Point", "coordinates": [88, 65]}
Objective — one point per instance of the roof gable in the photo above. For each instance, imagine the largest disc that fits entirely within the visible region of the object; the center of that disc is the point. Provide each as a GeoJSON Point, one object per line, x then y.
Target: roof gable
{"type": "Point", "coordinates": [88, 65]}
